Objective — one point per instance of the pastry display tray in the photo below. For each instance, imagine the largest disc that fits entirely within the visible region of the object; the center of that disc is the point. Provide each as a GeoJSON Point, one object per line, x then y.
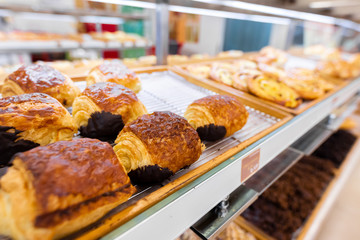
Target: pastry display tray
{"type": "Point", "coordinates": [163, 90]}
{"type": "Point", "coordinates": [293, 61]}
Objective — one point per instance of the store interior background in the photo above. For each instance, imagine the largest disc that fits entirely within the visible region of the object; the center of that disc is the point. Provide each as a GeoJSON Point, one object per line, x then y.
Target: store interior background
{"type": "Point", "coordinates": [189, 33]}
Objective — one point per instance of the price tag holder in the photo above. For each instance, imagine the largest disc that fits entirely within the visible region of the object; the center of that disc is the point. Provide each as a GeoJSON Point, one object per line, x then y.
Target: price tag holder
{"type": "Point", "coordinates": [250, 164]}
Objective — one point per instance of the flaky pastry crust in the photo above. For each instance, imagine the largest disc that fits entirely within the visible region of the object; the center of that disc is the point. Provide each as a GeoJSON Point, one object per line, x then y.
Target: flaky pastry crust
{"type": "Point", "coordinates": [161, 138]}
{"type": "Point", "coordinates": [43, 79]}
{"type": "Point", "coordinates": [220, 110]}
{"type": "Point", "coordinates": [55, 190]}
{"type": "Point", "coordinates": [39, 117]}
{"type": "Point", "coordinates": [116, 72]}
{"type": "Point", "coordinates": [275, 91]}
{"type": "Point", "coordinates": [108, 97]}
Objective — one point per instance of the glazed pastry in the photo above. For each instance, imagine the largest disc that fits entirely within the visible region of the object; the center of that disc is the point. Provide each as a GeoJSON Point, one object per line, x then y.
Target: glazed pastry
{"type": "Point", "coordinates": [201, 71]}
{"type": "Point", "coordinates": [271, 56]}
{"type": "Point", "coordinates": [221, 74]}
{"type": "Point", "coordinates": [244, 64]}
{"type": "Point", "coordinates": [335, 68]}
{"type": "Point", "coordinates": [30, 120]}
{"type": "Point", "coordinates": [157, 145]}
{"type": "Point", "coordinates": [272, 71]}
{"type": "Point", "coordinates": [43, 79]}
{"type": "Point", "coordinates": [116, 72]}
{"type": "Point", "coordinates": [54, 190]}
{"type": "Point", "coordinates": [306, 83]}
{"type": "Point", "coordinates": [240, 78]}
{"type": "Point", "coordinates": [103, 108]}
{"type": "Point", "coordinates": [217, 116]}
{"type": "Point", "coordinates": [272, 90]}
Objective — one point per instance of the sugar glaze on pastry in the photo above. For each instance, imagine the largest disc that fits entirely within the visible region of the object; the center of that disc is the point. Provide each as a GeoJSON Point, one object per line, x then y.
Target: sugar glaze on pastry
{"type": "Point", "coordinates": [103, 109]}
{"type": "Point", "coordinates": [155, 146]}
{"type": "Point", "coordinates": [217, 116]}
{"type": "Point", "coordinates": [32, 118]}
{"type": "Point", "coordinates": [114, 71]}
{"type": "Point", "coordinates": [54, 190]}
{"type": "Point", "coordinates": [43, 79]}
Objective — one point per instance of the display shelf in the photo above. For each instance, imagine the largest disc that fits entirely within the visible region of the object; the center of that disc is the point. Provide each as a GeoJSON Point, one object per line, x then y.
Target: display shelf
{"type": "Point", "coordinates": [65, 45]}
{"type": "Point", "coordinates": [204, 193]}
{"type": "Point", "coordinates": [211, 224]}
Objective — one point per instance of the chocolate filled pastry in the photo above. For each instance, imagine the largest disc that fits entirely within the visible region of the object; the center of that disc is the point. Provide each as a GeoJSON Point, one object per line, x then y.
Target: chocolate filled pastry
{"type": "Point", "coordinates": [217, 116]}
{"type": "Point", "coordinates": [275, 91]}
{"type": "Point", "coordinates": [42, 79]}
{"type": "Point", "coordinates": [116, 72]}
{"type": "Point", "coordinates": [30, 120]}
{"type": "Point", "coordinates": [157, 145]}
{"type": "Point", "coordinates": [103, 108]}
{"type": "Point", "coordinates": [54, 190]}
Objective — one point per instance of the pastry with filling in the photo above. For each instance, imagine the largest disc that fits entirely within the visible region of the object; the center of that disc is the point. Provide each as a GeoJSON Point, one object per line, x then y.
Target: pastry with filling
{"type": "Point", "coordinates": [305, 83]}
{"type": "Point", "coordinates": [103, 108]}
{"type": "Point", "coordinates": [241, 77]}
{"type": "Point", "coordinates": [157, 145]}
{"type": "Point", "coordinates": [271, 56]}
{"type": "Point", "coordinates": [114, 71]}
{"type": "Point", "coordinates": [272, 71]}
{"type": "Point", "coordinates": [42, 79]}
{"type": "Point", "coordinates": [30, 120]}
{"type": "Point", "coordinates": [335, 68]}
{"type": "Point", "coordinates": [222, 73]}
{"type": "Point", "coordinates": [274, 91]}
{"type": "Point", "coordinates": [199, 70]}
{"type": "Point", "coordinates": [217, 116]}
{"type": "Point", "coordinates": [54, 190]}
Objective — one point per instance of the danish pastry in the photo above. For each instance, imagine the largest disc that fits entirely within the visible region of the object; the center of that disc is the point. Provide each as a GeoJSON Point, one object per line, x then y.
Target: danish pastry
{"type": "Point", "coordinates": [221, 74]}
{"type": "Point", "coordinates": [155, 146]}
{"type": "Point", "coordinates": [201, 71]}
{"type": "Point", "coordinates": [54, 190]}
{"type": "Point", "coordinates": [116, 72]}
{"type": "Point", "coordinates": [30, 120]}
{"type": "Point", "coordinates": [275, 91]}
{"type": "Point", "coordinates": [43, 79]}
{"type": "Point", "coordinates": [241, 77]}
{"type": "Point", "coordinates": [306, 83]}
{"type": "Point", "coordinates": [217, 116]}
{"type": "Point", "coordinates": [103, 108]}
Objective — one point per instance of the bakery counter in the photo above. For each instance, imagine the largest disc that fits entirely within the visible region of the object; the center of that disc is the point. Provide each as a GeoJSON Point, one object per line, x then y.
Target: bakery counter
{"type": "Point", "coordinates": [204, 193]}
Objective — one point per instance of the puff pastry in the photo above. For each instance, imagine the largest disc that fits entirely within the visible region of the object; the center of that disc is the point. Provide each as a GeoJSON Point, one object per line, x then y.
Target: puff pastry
{"type": "Point", "coordinates": [54, 190]}
{"type": "Point", "coordinates": [241, 77]}
{"type": "Point", "coordinates": [335, 68]}
{"type": "Point", "coordinates": [155, 146]}
{"type": "Point", "coordinates": [306, 83]}
{"type": "Point", "coordinates": [222, 73]}
{"type": "Point", "coordinates": [43, 79]}
{"type": "Point", "coordinates": [199, 70]}
{"type": "Point", "coordinates": [29, 120]}
{"type": "Point", "coordinates": [271, 56]}
{"type": "Point", "coordinates": [275, 91]}
{"type": "Point", "coordinates": [114, 71]}
{"type": "Point", "coordinates": [103, 108]}
{"type": "Point", "coordinates": [217, 116]}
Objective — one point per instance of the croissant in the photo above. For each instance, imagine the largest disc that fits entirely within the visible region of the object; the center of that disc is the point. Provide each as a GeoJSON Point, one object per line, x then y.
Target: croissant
{"type": "Point", "coordinates": [272, 90]}
{"type": "Point", "coordinates": [30, 120]}
{"type": "Point", "coordinates": [217, 116]}
{"type": "Point", "coordinates": [114, 71]}
{"type": "Point", "coordinates": [54, 190]}
{"type": "Point", "coordinates": [43, 79]}
{"type": "Point", "coordinates": [155, 146]}
{"type": "Point", "coordinates": [103, 108]}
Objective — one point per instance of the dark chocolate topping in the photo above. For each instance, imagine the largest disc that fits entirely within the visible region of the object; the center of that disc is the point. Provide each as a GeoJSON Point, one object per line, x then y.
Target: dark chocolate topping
{"type": "Point", "coordinates": [103, 125]}
{"type": "Point", "coordinates": [149, 174]}
{"type": "Point", "coordinates": [211, 132]}
{"type": "Point", "coordinates": [10, 145]}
